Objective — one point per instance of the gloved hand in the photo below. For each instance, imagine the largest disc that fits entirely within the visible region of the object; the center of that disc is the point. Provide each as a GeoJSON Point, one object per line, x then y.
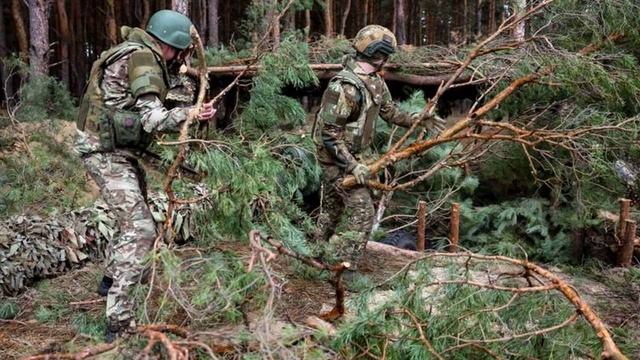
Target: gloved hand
{"type": "Point", "coordinates": [434, 123]}
{"type": "Point", "coordinates": [362, 173]}
{"type": "Point", "coordinates": [207, 112]}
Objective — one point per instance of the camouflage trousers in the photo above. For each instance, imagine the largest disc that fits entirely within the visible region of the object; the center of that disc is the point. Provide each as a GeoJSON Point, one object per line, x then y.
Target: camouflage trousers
{"type": "Point", "coordinates": [122, 185]}
{"type": "Point", "coordinates": [347, 217]}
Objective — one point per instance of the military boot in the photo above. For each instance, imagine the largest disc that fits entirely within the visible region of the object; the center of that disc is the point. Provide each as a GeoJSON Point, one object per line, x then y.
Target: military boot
{"type": "Point", "coordinates": [105, 285]}
{"type": "Point", "coordinates": [114, 331]}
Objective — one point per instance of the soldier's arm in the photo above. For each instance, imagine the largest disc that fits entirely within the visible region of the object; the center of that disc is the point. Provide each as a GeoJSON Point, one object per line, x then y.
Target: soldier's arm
{"type": "Point", "coordinates": [390, 112]}
{"type": "Point", "coordinates": [146, 82]}
{"type": "Point", "coordinates": [339, 102]}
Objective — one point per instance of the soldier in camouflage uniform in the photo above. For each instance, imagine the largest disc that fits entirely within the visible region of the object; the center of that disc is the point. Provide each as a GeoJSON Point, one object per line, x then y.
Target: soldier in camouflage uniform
{"type": "Point", "coordinates": [120, 111]}
{"type": "Point", "coordinates": [345, 129]}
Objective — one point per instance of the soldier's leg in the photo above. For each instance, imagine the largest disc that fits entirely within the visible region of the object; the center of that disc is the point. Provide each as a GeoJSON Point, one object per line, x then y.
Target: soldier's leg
{"type": "Point", "coordinates": [354, 228]}
{"type": "Point", "coordinates": [118, 180]}
{"type": "Point", "coordinates": [332, 204]}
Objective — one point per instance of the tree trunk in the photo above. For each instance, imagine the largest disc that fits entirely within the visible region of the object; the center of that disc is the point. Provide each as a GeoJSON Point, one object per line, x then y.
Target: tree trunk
{"type": "Point", "coordinates": [492, 16]}
{"type": "Point", "coordinates": [365, 13]}
{"type": "Point", "coordinates": [465, 22]}
{"type": "Point", "coordinates": [21, 30]}
{"type": "Point", "coordinates": [345, 16]}
{"type": "Point", "coordinates": [146, 13]}
{"type": "Point", "coordinates": [307, 24]}
{"type": "Point", "coordinates": [214, 30]}
{"type": "Point", "coordinates": [519, 32]}
{"type": "Point", "coordinates": [181, 6]}
{"type": "Point", "coordinates": [328, 18]}
{"type": "Point", "coordinates": [39, 36]}
{"type": "Point", "coordinates": [112, 29]}
{"type": "Point", "coordinates": [65, 34]}
{"type": "Point", "coordinates": [478, 19]}
{"type": "Point", "coordinates": [5, 86]}
{"type": "Point", "coordinates": [401, 22]}
{"type": "Point", "coordinates": [274, 23]}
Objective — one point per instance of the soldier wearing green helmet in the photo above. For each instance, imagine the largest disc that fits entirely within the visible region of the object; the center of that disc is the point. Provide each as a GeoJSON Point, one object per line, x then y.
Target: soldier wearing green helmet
{"type": "Point", "coordinates": [121, 110]}
{"type": "Point", "coordinates": [344, 131]}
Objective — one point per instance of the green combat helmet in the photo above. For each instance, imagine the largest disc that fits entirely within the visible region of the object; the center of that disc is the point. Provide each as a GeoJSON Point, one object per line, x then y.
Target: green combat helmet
{"type": "Point", "coordinates": [375, 38]}
{"type": "Point", "coordinates": [171, 27]}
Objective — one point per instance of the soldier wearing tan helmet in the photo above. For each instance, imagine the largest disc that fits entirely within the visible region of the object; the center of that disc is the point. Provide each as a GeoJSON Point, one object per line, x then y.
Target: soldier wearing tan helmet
{"type": "Point", "coordinates": [344, 131]}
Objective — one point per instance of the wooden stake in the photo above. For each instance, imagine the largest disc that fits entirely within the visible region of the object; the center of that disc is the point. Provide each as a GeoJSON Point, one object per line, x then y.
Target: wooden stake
{"type": "Point", "coordinates": [625, 254]}
{"type": "Point", "coordinates": [454, 235]}
{"type": "Point", "coordinates": [625, 206]}
{"type": "Point", "coordinates": [422, 224]}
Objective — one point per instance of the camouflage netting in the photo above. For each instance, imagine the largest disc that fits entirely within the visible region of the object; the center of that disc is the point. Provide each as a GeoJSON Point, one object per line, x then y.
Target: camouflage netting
{"type": "Point", "coordinates": [32, 247]}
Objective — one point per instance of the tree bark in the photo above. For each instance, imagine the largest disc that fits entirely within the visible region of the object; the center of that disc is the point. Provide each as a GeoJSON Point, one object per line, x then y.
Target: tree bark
{"type": "Point", "coordinates": [214, 30]}
{"type": "Point", "coordinates": [112, 29]}
{"type": "Point", "coordinates": [307, 24]}
{"type": "Point", "coordinates": [5, 86]}
{"type": "Point", "coordinates": [345, 16]}
{"type": "Point", "coordinates": [492, 16]}
{"type": "Point", "coordinates": [365, 13]}
{"type": "Point", "coordinates": [181, 6]}
{"type": "Point", "coordinates": [39, 37]}
{"type": "Point", "coordinates": [328, 18]}
{"type": "Point", "coordinates": [146, 13]}
{"type": "Point", "coordinates": [519, 32]}
{"type": "Point", "coordinates": [65, 35]}
{"type": "Point", "coordinates": [479, 19]}
{"type": "Point", "coordinates": [274, 22]}
{"type": "Point", "coordinates": [21, 30]}
{"type": "Point", "coordinates": [401, 22]}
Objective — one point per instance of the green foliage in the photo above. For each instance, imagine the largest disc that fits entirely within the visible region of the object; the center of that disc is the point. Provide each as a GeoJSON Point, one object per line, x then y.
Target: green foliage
{"type": "Point", "coordinates": [40, 98]}
{"type": "Point", "coordinates": [49, 182]}
{"type": "Point", "coordinates": [385, 325]}
{"type": "Point", "coordinates": [89, 324]}
{"type": "Point", "coordinates": [8, 309]}
{"type": "Point", "coordinates": [525, 227]}
{"type": "Point", "coordinates": [267, 108]}
{"type": "Point", "coordinates": [52, 304]}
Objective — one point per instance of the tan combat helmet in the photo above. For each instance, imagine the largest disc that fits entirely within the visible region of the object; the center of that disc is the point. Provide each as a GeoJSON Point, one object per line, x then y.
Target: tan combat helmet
{"type": "Point", "coordinates": [375, 38]}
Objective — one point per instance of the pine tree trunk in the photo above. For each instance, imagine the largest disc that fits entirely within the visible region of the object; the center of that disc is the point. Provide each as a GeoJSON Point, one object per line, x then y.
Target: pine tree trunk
{"type": "Point", "coordinates": [465, 22]}
{"type": "Point", "coordinates": [478, 19]}
{"type": "Point", "coordinates": [146, 13]}
{"type": "Point", "coordinates": [214, 30]}
{"type": "Point", "coordinates": [5, 86]}
{"type": "Point", "coordinates": [345, 16]}
{"type": "Point", "coordinates": [492, 16]}
{"type": "Point", "coordinates": [307, 24]}
{"type": "Point", "coordinates": [112, 31]}
{"type": "Point", "coordinates": [519, 32]}
{"type": "Point", "coordinates": [401, 22]}
{"type": "Point", "coordinates": [181, 6]}
{"type": "Point", "coordinates": [65, 34]}
{"type": "Point", "coordinates": [328, 18]}
{"type": "Point", "coordinates": [39, 36]}
{"type": "Point", "coordinates": [274, 23]}
{"type": "Point", "coordinates": [21, 30]}
{"type": "Point", "coordinates": [365, 13]}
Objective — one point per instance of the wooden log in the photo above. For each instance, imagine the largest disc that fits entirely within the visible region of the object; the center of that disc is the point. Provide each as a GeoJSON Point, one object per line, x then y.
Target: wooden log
{"type": "Point", "coordinates": [422, 224]}
{"type": "Point", "coordinates": [454, 235]}
{"type": "Point", "coordinates": [625, 207]}
{"type": "Point", "coordinates": [625, 254]}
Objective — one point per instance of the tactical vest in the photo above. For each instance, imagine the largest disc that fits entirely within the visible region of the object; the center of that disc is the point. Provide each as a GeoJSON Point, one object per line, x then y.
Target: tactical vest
{"type": "Point", "coordinates": [115, 127]}
{"type": "Point", "coordinates": [361, 132]}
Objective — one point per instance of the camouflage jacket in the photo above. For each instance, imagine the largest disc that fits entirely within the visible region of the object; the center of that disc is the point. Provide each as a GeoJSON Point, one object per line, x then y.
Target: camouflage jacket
{"type": "Point", "coordinates": [346, 121]}
{"type": "Point", "coordinates": [119, 91]}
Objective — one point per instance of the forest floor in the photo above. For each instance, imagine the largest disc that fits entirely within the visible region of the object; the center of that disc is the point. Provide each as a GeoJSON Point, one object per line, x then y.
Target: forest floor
{"type": "Point", "coordinates": [64, 314]}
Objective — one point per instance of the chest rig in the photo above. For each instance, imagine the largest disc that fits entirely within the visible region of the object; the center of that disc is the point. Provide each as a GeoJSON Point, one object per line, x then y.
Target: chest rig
{"type": "Point", "coordinates": [360, 133]}
{"type": "Point", "coordinates": [117, 127]}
